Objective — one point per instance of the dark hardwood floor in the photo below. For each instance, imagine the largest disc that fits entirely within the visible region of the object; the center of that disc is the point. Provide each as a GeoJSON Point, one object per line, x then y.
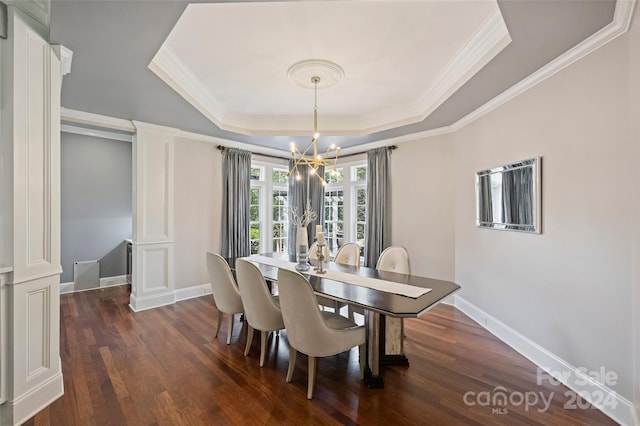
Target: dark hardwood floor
{"type": "Point", "coordinates": [163, 367]}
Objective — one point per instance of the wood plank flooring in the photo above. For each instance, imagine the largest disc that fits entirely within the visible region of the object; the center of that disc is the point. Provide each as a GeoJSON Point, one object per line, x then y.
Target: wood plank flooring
{"type": "Point", "coordinates": [164, 367]}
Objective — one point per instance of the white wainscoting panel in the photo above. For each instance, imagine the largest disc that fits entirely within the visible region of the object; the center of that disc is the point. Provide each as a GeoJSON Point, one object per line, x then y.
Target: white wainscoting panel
{"type": "Point", "coordinates": [152, 275]}
{"type": "Point", "coordinates": [36, 374]}
{"type": "Point", "coordinates": [36, 145]}
{"type": "Point", "coordinates": [31, 373]}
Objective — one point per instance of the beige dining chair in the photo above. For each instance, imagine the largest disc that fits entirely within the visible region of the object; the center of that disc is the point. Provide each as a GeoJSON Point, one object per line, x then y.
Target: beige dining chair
{"type": "Point", "coordinates": [225, 292]}
{"type": "Point", "coordinates": [311, 331]}
{"type": "Point", "coordinates": [394, 259]}
{"type": "Point", "coordinates": [349, 254]}
{"type": "Point", "coordinates": [261, 309]}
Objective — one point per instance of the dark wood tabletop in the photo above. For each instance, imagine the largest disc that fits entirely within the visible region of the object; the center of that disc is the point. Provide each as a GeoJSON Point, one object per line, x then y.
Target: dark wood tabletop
{"type": "Point", "coordinates": [393, 305]}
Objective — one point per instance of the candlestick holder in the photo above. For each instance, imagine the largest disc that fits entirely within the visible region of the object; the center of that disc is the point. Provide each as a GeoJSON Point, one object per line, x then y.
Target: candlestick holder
{"type": "Point", "coordinates": [320, 269]}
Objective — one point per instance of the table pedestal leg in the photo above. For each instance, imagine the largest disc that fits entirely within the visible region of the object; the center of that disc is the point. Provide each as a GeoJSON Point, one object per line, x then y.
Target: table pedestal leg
{"type": "Point", "coordinates": [372, 371]}
{"type": "Point", "coordinates": [392, 341]}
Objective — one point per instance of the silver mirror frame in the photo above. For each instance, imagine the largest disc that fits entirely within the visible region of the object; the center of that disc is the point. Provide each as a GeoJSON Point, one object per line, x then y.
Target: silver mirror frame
{"type": "Point", "coordinates": [535, 227]}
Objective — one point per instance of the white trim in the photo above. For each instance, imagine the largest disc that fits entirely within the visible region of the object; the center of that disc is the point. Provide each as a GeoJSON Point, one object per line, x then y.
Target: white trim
{"type": "Point", "coordinates": [137, 304]}
{"type": "Point", "coordinates": [66, 58]}
{"type": "Point", "coordinates": [192, 292]}
{"type": "Point", "coordinates": [113, 281]}
{"type": "Point", "coordinates": [69, 287]}
{"type": "Point", "coordinates": [619, 25]}
{"type": "Point", "coordinates": [98, 120]}
{"type": "Point", "coordinates": [28, 404]}
{"type": "Point", "coordinates": [547, 361]}
{"type": "Point", "coordinates": [66, 128]}
{"type": "Point", "coordinates": [487, 41]}
{"type": "Point", "coordinates": [255, 149]}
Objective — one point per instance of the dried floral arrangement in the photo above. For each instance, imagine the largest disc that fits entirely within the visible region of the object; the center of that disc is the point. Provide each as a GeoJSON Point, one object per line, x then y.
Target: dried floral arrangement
{"type": "Point", "coordinates": [306, 218]}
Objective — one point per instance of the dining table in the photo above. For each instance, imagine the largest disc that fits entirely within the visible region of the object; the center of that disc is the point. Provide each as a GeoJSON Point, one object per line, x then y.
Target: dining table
{"type": "Point", "coordinates": [384, 296]}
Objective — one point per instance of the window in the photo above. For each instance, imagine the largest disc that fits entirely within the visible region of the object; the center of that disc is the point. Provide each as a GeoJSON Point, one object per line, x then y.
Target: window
{"type": "Point", "coordinates": [255, 224]}
{"type": "Point", "coordinates": [334, 219]}
{"type": "Point", "coordinates": [345, 205]}
{"type": "Point", "coordinates": [269, 208]}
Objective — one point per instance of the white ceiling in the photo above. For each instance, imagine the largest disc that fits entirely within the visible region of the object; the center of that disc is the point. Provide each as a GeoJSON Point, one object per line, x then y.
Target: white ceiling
{"type": "Point", "coordinates": [401, 59]}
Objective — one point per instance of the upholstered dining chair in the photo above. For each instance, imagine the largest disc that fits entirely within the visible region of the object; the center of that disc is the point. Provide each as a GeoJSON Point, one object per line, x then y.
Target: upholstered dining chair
{"type": "Point", "coordinates": [311, 331]}
{"type": "Point", "coordinates": [261, 309]}
{"type": "Point", "coordinates": [349, 254]}
{"type": "Point", "coordinates": [225, 292]}
{"type": "Point", "coordinates": [394, 259]}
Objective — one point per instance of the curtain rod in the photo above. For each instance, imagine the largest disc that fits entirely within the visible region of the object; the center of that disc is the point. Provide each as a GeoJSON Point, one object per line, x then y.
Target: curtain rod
{"type": "Point", "coordinates": [222, 148]}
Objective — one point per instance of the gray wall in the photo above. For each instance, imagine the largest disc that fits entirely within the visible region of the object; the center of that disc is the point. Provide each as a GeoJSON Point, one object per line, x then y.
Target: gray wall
{"type": "Point", "coordinates": [95, 186]}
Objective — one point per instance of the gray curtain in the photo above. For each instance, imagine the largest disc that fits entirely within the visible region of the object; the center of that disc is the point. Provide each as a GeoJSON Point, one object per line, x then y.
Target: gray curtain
{"type": "Point", "coordinates": [236, 167]}
{"type": "Point", "coordinates": [378, 228]}
{"type": "Point", "coordinates": [309, 186]}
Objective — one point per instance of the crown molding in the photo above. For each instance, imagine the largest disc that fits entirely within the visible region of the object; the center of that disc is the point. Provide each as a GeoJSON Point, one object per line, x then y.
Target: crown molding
{"type": "Point", "coordinates": [618, 26]}
{"type": "Point", "coordinates": [65, 128]}
{"type": "Point", "coordinates": [175, 73]}
{"type": "Point", "coordinates": [97, 120]}
{"type": "Point", "coordinates": [491, 37]}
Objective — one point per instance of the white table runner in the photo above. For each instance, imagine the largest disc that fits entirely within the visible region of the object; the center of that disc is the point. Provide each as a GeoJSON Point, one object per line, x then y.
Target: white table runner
{"type": "Point", "coordinates": [374, 283]}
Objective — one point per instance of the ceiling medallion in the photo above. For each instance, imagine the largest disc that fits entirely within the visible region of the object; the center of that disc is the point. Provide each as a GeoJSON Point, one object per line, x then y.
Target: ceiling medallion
{"type": "Point", "coordinates": [329, 73]}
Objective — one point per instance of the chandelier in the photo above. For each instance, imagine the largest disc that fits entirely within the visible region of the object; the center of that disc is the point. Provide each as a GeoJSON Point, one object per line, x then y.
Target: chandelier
{"type": "Point", "coordinates": [310, 156]}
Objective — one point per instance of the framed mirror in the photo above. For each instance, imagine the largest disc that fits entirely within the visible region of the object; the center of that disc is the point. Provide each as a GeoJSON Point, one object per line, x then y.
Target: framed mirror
{"type": "Point", "coordinates": [508, 197]}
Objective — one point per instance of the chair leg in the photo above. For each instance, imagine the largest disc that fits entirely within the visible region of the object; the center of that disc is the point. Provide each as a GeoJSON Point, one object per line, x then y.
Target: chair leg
{"type": "Point", "coordinates": [312, 376]}
{"type": "Point", "coordinates": [219, 323]}
{"type": "Point", "coordinates": [292, 363]}
{"type": "Point", "coordinates": [230, 330]}
{"type": "Point", "coordinates": [263, 346]}
{"type": "Point", "coordinates": [247, 347]}
{"type": "Point", "coordinates": [362, 351]}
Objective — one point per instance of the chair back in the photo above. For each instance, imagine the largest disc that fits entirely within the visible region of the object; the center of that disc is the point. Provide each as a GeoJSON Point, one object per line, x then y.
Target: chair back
{"type": "Point", "coordinates": [225, 291]}
{"type": "Point", "coordinates": [259, 308]}
{"type": "Point", "coordinates": [306, 328]}
{"type": "Point", "coordinates": [349, 254]}
{"type": "Point", "coordinates": [313, 252]}
{"type": "Point", "coordinates": [394, 259]}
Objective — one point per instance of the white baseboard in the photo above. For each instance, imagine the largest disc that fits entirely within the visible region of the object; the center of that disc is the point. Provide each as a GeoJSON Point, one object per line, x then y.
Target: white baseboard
{"type": "Point", "coordinates": [191, 292]}
{"type": "Point", "coordinates": [26, 406]}
{"type": "Point", "coordinates": [138, 304]}
{"type": "Point", "coordinates": [113, 281]}
{"type": "Point", "coordinates": [67, 287]}
{"type": "Point", "coordinates": [620, 410]}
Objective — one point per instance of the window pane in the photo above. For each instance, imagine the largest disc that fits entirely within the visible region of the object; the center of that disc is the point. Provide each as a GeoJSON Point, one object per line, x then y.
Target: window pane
{"type": "Point", "coordinates": [254, 213]}
{"type": "Point", "coordinates": [255, 238]}
{"type": "Point", "coordinates": [360, 173]}
{"type": "Point", "coordinates": [256, 173]}
{"type": "Point", "coordinates": [334, 176]}
{"type": "Point", "coordinates": [362, 214]}
{"type": "Point", "coordinates": [279, 176]}
{"type": "Point", "coordinates": [254, 196]}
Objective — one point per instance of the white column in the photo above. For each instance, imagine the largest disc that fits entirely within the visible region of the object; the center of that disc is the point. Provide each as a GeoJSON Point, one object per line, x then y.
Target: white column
{"type": "Point", "coordinates": [152, 274]}
{"type": "Point", "coordinates": [30, 373]}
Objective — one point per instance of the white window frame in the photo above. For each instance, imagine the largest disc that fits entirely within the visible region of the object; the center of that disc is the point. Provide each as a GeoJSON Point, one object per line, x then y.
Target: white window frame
{"type": "Point", "coordinates": [266, 186]}
{"type": "Point", "coordinates": [349, 186]}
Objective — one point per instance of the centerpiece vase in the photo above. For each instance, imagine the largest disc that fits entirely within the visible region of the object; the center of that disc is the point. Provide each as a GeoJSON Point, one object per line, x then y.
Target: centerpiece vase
{"type": "Point", "coordinates": [302, 249]}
